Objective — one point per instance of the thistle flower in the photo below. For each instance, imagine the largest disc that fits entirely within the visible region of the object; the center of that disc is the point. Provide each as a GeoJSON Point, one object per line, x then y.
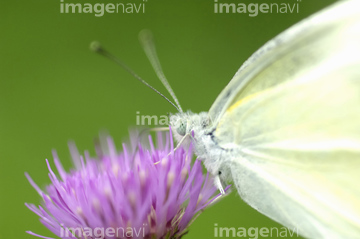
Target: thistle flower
{"type": "Point", "coordinates": [126, 194]}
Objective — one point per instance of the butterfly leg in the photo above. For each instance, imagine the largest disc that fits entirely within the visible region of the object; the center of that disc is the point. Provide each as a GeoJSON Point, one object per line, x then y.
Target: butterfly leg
{"type": "Point", "coordinates": [218, 184]}
{"type": "Point", "coordinates": [178, 145]}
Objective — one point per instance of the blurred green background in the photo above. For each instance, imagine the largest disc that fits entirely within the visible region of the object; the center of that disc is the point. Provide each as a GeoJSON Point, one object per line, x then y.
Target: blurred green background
{"type": "Point", "coordinates": [53, 88]}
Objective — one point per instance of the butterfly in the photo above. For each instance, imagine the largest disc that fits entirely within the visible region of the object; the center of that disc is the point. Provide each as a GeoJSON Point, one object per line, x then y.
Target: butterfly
{"type": "Point", "coordinates": [286, 128]}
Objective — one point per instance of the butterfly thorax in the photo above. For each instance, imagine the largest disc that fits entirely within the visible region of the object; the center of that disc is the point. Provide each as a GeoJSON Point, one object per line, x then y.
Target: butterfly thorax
{"type": "Point", "coordinates": [206, 148]}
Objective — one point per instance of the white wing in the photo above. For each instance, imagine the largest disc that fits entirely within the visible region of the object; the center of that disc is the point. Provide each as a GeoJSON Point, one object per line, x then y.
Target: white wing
{"type": "Point", "coordinates": [300, 158]}
{"type": "Point", "coordinates": [293, 127]}
{"type": "Point", "coordinates": [302, 32]}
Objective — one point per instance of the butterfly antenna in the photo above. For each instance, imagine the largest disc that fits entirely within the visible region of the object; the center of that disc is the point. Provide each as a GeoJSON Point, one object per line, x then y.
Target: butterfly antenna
{"type": "Point", "coordinates": [96, 47]}
{"type": "Point", "coordinates": [146, 39]}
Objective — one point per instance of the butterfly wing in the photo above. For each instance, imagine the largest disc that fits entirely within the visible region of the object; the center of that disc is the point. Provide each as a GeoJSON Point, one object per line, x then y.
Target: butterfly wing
{"type": "Point", "coordinates": [293, 127]}
{"type": "Point", "coordinates": [246, 80]}
{"type": "Point", "coordinates": [298, 158]}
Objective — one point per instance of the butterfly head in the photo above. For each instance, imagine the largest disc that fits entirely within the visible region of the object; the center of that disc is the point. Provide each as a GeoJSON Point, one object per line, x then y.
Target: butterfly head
{"type": "Point", "coordinates": [179, 123]}
{"type": "Point", "coordinates": [183, 124]}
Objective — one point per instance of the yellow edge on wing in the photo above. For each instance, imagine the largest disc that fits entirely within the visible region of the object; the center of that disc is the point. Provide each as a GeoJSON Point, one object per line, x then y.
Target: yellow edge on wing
{"type": "Point", "coordinates": [241, 101]}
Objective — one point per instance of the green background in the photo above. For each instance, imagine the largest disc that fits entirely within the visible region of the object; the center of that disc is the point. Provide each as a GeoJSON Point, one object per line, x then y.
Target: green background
{"type": "Point", "coordinates": [52, 88]}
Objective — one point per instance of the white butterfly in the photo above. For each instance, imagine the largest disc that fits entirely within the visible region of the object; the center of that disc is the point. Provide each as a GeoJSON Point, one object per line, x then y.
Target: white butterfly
{"type": "Point", "coordinates": [286, 129]}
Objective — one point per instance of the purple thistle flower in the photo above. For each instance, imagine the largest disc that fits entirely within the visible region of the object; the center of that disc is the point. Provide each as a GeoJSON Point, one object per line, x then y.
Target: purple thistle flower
{"type": "Point", "coordinates": [125, 195]}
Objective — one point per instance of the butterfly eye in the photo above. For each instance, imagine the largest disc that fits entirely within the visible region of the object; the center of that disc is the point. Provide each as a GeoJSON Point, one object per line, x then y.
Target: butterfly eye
{"type": "Point", "coordinates": [182, 128]}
